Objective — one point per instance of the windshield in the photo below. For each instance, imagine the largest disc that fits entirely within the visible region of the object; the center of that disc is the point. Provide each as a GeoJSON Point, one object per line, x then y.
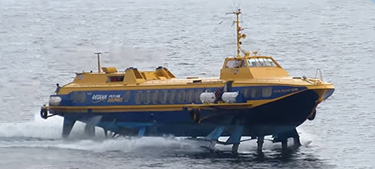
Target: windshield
{"type": "Point", "coordinates": [261, 62]}
{"type": "Point", "coordinates": [235, 64]}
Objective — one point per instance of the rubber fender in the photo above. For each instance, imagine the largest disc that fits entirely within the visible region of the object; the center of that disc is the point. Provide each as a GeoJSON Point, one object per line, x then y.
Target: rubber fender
{"type": "Point", "coordinates": [44, 113]}
{"type": "Point", "coordinates": [195, 115]}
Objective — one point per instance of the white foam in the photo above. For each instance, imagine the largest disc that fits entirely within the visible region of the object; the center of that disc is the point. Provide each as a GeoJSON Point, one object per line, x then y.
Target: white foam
{"type": "Point", "coordinates": [305, 137]}
{"type": "Point", "coordinates": [147, 145]}
{"type": "Point", "coordinates": [42, 133]}
{"type": "Point", "coordinates": [155, 144]}
{"type": "Point", "coordinates": [39, 128]}
{"type": "Point", "coordinates": [47, 134]}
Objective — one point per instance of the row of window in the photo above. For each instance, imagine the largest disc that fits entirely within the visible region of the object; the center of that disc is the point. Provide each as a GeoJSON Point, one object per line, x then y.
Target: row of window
{"type": "Point", "coordinates": [253, 62]}
{"type": "Point", "coordinates": [190, 96]}
{"type": "Point", "coordinates": [261, 62]}
{"type": "Point", "coordinates": [166, 96]}
{"type": "Point", "coordinates": [259, 92]}
{"type": "Point", "coordinates": [187, 96]}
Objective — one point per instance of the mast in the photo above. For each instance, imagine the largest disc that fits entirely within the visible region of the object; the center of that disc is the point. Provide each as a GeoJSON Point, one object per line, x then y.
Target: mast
{"type": "Point", "coordinates": [99, 68]}
{"type": "Point", "coordinates": [238, 30]}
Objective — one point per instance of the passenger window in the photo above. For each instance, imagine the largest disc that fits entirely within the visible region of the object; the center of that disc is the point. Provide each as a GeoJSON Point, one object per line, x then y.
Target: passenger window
{"type": "Point", "coordinates": [267, 91]}
{"type": "Point", "coordinates": [181, 96]}
{"type": "Point", "coordinates": [138, 97]}
{"type": "Point", "coordinates": [154, 97]}
{"type": "Point", "coordinates": [256, 92]}
{"type": "Point", "coordinates": [163, 97]}
{"type": "Point", "coordinates": [172, 95]}
{"type": "Point", "coordinates": [190, 96]}
{"type": "Point", "coordinates": [146, 97]}
{"type": "Point", "coordinates": [246, 92]}
{"type": "Point", "coordinates": [115, 78]}
{"type": "Point", "coordinates": [127, 96]}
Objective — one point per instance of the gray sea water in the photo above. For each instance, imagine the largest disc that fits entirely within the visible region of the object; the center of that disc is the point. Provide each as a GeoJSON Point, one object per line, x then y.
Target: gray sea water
{"type": "Point", "coordinates": [45, 42]}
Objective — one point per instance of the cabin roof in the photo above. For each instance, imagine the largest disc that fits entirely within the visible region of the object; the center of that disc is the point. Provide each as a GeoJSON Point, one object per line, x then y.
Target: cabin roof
{"type": "Point", "coordinates": [203, 81]}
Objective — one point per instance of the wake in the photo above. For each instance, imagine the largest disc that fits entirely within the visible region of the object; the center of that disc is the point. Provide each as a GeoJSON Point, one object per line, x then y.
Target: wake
{"type": "Point", "coordinates": [47, 134]}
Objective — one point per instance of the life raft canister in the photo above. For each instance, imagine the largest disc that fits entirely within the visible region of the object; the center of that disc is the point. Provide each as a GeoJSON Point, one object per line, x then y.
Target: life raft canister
{"type": "Point", "coordinates": [44, 113]}
{"type": "Point", "coordinates": [195, 115]}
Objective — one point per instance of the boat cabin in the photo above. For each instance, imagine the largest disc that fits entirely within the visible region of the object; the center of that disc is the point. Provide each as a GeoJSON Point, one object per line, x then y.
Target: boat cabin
{"type": "Point", "coordinates": [251, 67]}
{"type": "Point", "coordinates": [110, 75]}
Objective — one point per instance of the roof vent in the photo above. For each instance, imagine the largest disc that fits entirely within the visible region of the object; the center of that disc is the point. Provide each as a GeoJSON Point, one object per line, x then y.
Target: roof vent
{"type": "Point", "coordinates": [109, 70]}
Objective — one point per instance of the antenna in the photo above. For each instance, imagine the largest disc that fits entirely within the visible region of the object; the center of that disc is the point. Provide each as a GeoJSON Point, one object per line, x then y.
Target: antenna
{"type": "Point", "coordinates": [99, 68]}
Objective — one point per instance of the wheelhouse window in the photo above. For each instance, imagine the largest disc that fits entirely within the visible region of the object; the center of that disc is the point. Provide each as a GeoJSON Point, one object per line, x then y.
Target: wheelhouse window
{"type": "Point", "coordinates": [261, 62]}
{"type": "Point", "coordinates": [235, 64]}
{"type": "Point", "coordinates": [115, 78]}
